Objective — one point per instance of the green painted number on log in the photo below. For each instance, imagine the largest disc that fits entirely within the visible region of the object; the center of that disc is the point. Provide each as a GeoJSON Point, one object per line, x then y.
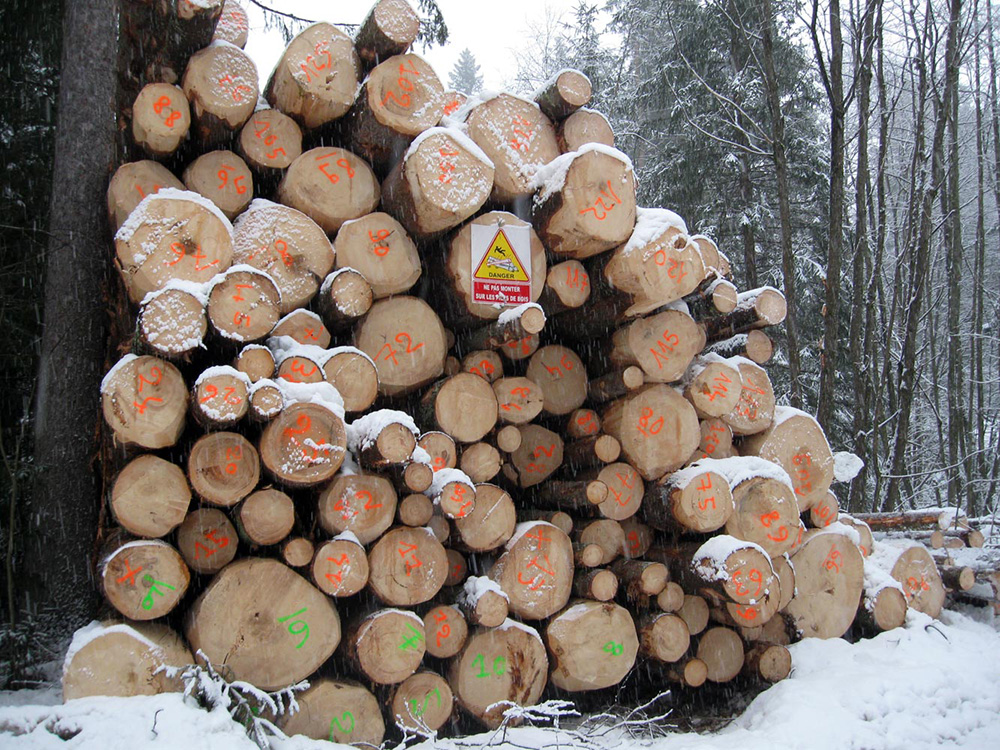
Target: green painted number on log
{"type": "Point", "coordinates": [344, 717]}
{"type": "Point", "coordinates": [291, 626]}
{"type": "Point", "coordinates": [499, 666]}
{"type": "Point", "coordinates": [613, 648]}
{"type": "Point", "coordinates": [412, 641]}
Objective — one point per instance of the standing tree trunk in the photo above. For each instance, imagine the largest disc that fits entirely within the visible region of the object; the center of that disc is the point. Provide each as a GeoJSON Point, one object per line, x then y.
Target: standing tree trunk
{"type": "Point", "coordinates": [784, 201]}
{"type": "Point", "coordinates": [58, 593]}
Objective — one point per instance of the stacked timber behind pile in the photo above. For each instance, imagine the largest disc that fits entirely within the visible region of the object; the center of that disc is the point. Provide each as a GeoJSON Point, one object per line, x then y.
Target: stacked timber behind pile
{"type": "Point", "coordinates": [334, 465]}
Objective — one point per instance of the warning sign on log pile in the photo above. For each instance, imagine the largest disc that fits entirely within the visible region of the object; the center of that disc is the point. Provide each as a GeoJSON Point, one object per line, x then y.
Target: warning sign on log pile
{"type": "Point", "coordinates": [501, 256]}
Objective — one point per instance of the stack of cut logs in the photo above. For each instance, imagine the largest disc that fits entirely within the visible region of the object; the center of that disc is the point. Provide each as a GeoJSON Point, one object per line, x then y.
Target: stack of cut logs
{"type": "Point", "coordinates": [335, 465]}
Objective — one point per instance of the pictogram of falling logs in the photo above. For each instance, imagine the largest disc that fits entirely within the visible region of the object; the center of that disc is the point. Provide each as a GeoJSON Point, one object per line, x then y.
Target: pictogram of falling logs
{"type": "Point", "coordinates": [334, 465]}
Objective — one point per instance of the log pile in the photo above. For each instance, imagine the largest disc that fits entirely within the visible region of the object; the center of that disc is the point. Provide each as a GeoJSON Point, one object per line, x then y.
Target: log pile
{"type": "Point", "coordinates": [335, 463]}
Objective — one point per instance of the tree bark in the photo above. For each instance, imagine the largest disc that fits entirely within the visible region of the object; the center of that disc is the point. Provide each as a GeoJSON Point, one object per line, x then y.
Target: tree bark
{"type": "Point", "coordinates": [57, 591]}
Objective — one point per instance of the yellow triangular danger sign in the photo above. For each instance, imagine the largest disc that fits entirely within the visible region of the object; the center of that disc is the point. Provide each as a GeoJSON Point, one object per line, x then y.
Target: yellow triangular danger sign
{"type": "Point", "coordinates": [500, 262]}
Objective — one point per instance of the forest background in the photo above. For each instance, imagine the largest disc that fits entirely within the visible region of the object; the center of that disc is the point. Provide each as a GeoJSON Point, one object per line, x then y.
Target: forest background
{"type": "Point", "coordinates": [847, 153]}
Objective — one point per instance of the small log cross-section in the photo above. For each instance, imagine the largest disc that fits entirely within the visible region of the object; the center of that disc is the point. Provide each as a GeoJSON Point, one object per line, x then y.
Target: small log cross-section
{"type": "Point", "coordinates": [144, 401]}
{"type": "Point", "coordinates": [694, 499]}
{"type": "Point", "coordinates": [916, 571]}
{"type": "Point", "coordinates": [442, 180]}
{"type": "Point", "coordinates": [422, 703]}
{"type": "Point", "coordinates": [499, 667]}
{"type": "Point", "coordinates": [150, 497]}
{"type": "Point", "coordinates": [657, 428]}
{"type": "Point", "coordinates": [389, 29]}
{"type": "Point", "coordinates": [582, 127]}
{"type": "Point", "coordinates": [161, 118]}
{"type": "Point", "coordinates": [123, 660]}
{"type": "Point", "coordinates": [172, 323]}
{"type": "Point", "coordinates": [754, 412]}
{"type": "Point", "coordinates": [223, 468]}
{"type": "Point", "coordinates": [340, 567]}
{"type": "Point", "coordinates": [379, 247]}
{"type": "Point", "coordinates": [561, 375]}
{"type": "Point", "coordinates": [405, 339]}
{"type": "Point", "coordinates": [221, 83]}
{"type": "Point", "coordinates": [593, 645]}
{"type": "Point", "coordinates": [363, 504]}
{"type": "Point", "coordinates": [316, 79]}
{"type": "Point", "coordinates": [145, 579]}
{"type": "Point", "coordinates": [270, 141]}
{"type": "Point", "coordinates": [207, 540]}
{"type": "Point", "coordinates": [722, 652]}
{"type": "Point", "coordinates": [463, 406]}
{"type": "Point", "coordinates": [663, 345]}
{"type": "Point", "coordinates": [223, 178]}
{"type": "Point", "coordinates": [796, 442]}
{"type": "Point", "coordinates": [304, 445]}
{"type": "Point", "coordinates": [536, 570]}
{"type": "Point", "coordinates": [386, 645]}
{"type": "Point", "coordinates": [565, 94]}
{"type": "Point", "coordinates": [265, 622]}
{"type": "Point", "coordinates": [266, 517]}
{"type": "Point", "coordinates": [330, 186]}
{"type": "Point", "coordinates": [407, 566]}
{"type": "Point", "coordinates": [244, 305]}
{"type": "Point", "coordinates": [593, 209]}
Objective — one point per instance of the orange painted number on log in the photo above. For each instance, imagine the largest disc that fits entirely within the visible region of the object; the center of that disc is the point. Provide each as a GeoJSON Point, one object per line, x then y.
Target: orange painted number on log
{"type": "Point", "coordinates": [233, 454]}
{"type": "Point", "coordinates": [634, 545]}
{"type": "Point", "coordinates": [754, 576]}
{"type": "Point", "coordinates": [719, 383]}
{"type": "Point", "coordinates": [379, 249]}
{"type": "Point", "coordinates": [834, 561]}
{"type": "Point", "coordinates": [523, 129]}
{"type": "Point", "coordinates": [446, 166]}
{"type": "Point", "coordinates": [767, 519]}
{"type": "Point", "coordinates": [445, 630]}
{"type": "Point", "coordinates": [401, 338]}
{"type": "Point", "coordinates": [413, 561]}
{"type": "Point", "coordinates": [311, 64]}
{"type": "Point", "coordinates": [343, 163]}
{"type": "Point", "coordinates": [600, 208]}
{"type": "Point", "coordinates": [338, 577]}
{"type": "Point", "coordinates": [224, 173]}
{"type": "Point", "coordinates": [576, 279]}
{"type": "Point", "coordinates": [645, 427]}
{"type": "Point", "coordinates": [237, 90]}
{"type": "Point", "coordinates": [404, 83]}
{"type": "Point", "coordinates": [748, 613]}
{"type": "Point", "coordinates": [666, 344]}
{"type": "Point", "coordinates": [129, 574]}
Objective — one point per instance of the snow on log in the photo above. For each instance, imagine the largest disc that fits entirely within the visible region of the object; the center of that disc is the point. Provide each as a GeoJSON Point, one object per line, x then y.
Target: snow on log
{"type": "Point", "coordinates": [389, 29]}
{"type": "Point", "coordinates": [233, 25]}
{"type": "Point", "coordinates": [586, 202]}
{"type": "Point", "coordinates": [220, 82]}
{"type": "Point", "coordinates": [913, 567]}
{"type": "Point", "coordinates": [756, 308]}
{"type": "Point", "coordinates": [797, 443]}
{"type": "Point", "coordinates": [173, 321]}
{"type": "Point", "coordinates": [244, 305]}
{"type": "Point", "coordinates": [172, 234]}
{"type": "Point", "coordinates": [754, 412]}
{"type": "Point", "coordinates": [563, 94]}
{"type": "Point", "coordinates": [336, 711]}
{"type": "Point", "coordinates": [385, 646]}
{"type": "Point", "coordinates": [122, 660]}
{"type": "Point", "coordinates": [316, 79]}
{"type": "Point", "coordinates": [582, 127]}
{"type": "Point", "coordinates": [143, 579]}
{"type": "Point", "coordinates": [535, 570]}
{"type": "Point", "coordinates": [304, 445]}
{"type": "Point", "coordinates": [265, 622]}
{"type": "Point", "coordinates": [398, 100]}
{"type": "Point", "coordinates": [516, 137]}
{"type": "Point", "coordinates": [363, 504]}
{"type": "Point", "coordinates": [130, 185]}
{"type": "Point", "coordinates": [286, 245]}
{"type": "Point", "coordinates": [692, 499]}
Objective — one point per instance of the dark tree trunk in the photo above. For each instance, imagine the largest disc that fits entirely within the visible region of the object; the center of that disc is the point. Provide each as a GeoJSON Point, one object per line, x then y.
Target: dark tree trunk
{"type": "Point", "coordinates": [58, 591]}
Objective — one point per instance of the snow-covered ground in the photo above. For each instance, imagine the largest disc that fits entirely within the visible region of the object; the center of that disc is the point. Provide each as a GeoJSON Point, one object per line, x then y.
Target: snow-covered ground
{"type": "Point", "coordinates": [931, 684]}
